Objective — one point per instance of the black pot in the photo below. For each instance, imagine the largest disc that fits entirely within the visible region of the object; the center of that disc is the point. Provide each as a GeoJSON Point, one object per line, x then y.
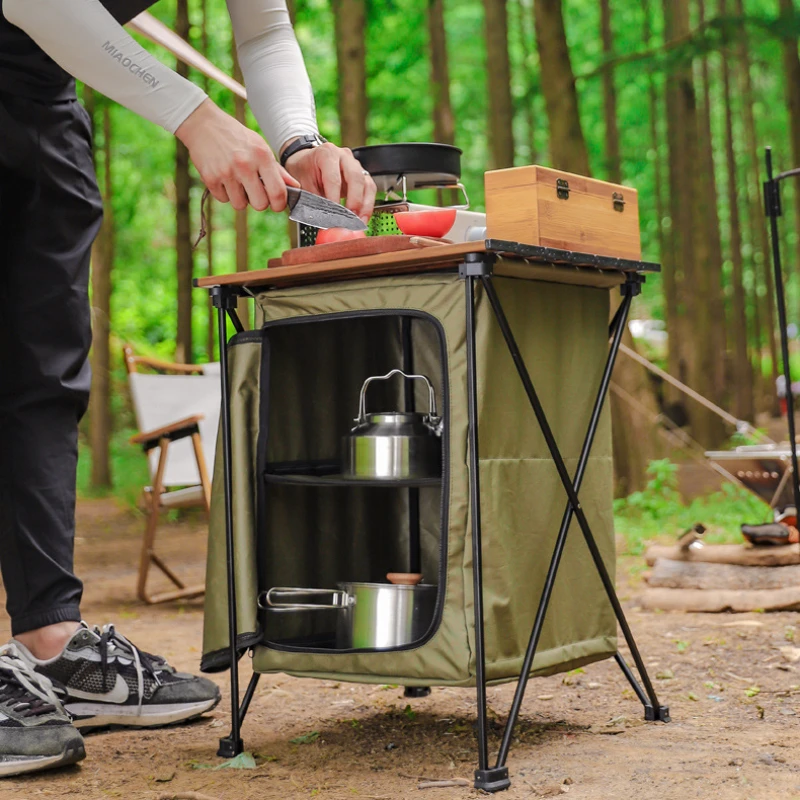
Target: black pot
{"type": "Point", "coordinates": [422, 164]}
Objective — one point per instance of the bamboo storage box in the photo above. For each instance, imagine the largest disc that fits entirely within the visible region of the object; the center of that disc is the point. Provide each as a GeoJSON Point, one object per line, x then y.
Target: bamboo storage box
{"type": "Point", "coordinates": [549, 208]}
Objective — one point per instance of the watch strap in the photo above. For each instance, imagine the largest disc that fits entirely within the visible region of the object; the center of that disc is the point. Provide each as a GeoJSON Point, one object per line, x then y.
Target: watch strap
{"type": "Point", "coordinates": [302, 143]}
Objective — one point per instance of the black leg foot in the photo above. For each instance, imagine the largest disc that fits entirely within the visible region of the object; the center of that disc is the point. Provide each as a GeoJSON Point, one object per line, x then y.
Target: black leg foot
{"type": "Point", "coordinates": [230, 748]}
{"type": "Point", "coordinates": [661, 715]}
{"type": "Point", "coordinates": [417, 691]}
{"type": "Point", "coordinates": [492, 780]}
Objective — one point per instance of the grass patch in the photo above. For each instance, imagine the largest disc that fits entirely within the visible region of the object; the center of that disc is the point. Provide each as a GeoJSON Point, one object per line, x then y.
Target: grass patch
{"type": "Point", "coordinates": [659, 513]}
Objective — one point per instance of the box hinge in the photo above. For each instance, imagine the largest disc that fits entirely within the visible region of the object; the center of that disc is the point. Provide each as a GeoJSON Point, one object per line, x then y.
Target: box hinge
{"type": "Point", "coordinates": [619, 201]}
{"type": "Point", "coordinates": [562, 189]}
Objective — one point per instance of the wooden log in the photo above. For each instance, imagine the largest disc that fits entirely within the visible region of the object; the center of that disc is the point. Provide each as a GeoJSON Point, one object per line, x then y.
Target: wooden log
{"type": "Point", "coordinates": [668, 574]}
{"type": "Point", "coordinates": [745, 555]}
{"type": "Point", "coordinates": [718, 601]}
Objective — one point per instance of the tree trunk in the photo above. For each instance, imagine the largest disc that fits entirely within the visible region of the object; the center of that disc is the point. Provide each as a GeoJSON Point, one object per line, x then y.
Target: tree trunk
{"type": "Point", "coordinates": [678, 253]}
{"type": "Point", "coordinates": [761, 246]}
{"type": "Point", "coordinates": [743, 401]}
{"type": "Point", "coordinates": [691, 341]}
{"type": "Point", "coordinates": [634, 444]}
{"type": "Point", "coordinates": [567, 145]}
{"type": "Point", "coordinates": [443, 120]}
{"type": "Point", "coordinates": [528, 100]}
{"type": "Point", "coordinates": [634, 409]}
{"type": "Point", "coordinates": [709, 204]}
{"type": "Point", "coordinates": [791, 70]}
{"type": "Point", "coordinates": [240, 223]}
{"type": "Point", "coordinates": [501, 107]}
{"type": "Point", "coordinates": [183, 233]}
{"type": "Point", "coordinates": [350, 23]}
{"type": "Point", "coordinates": [613, 163]}
{"type": "Point", "coordinates": [212, 315]}
{"type": "Point", "coordinates": [652, 94]}
{"type": "Point", "coordinates": [100, 421]}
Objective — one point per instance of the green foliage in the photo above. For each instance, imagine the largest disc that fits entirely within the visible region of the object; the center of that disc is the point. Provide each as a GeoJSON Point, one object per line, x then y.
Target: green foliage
{"type": "Point", "coordinates": [306, 738]}
{"type": "Point", "coordinates": [659, 511]}
{"type": "Point", "coordinates": [400, 104]}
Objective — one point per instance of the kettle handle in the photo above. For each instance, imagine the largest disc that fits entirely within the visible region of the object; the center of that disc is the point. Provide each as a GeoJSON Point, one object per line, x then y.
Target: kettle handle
{"type": "Point", "coordinates": [362, 404]}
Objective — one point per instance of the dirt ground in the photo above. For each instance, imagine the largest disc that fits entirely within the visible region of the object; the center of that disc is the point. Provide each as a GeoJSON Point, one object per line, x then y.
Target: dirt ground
{"type": "Point", "coordinates": [732, 684]}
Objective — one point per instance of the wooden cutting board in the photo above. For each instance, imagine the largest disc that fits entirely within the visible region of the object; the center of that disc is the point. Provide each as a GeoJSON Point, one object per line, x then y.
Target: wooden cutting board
{"type": "Point", "coordinates": [353, 248]}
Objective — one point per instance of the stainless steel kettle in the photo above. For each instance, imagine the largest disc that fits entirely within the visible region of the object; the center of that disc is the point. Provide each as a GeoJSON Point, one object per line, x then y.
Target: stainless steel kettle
{"type": "Point", "coordinates": [394, 445]}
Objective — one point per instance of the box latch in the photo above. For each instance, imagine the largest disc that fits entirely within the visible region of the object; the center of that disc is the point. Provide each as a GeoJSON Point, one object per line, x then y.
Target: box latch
{"type": "Point", "coordinates": [562, 189]}
{"type": "Point", "coordinates": [619, 201]}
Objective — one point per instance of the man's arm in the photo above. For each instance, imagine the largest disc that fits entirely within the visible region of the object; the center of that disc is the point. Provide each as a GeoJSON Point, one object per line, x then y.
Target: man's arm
{"type": "Point", "coordinates": [280, 94]}
{"type": "Point", "coordinates": [234, 162]}
{"type": "Point", "coordinates": [83, 37]}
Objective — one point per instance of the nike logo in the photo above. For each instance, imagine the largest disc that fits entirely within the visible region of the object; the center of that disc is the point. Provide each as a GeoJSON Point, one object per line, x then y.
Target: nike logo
{"type": "Point", "coordinates": [119, 694]}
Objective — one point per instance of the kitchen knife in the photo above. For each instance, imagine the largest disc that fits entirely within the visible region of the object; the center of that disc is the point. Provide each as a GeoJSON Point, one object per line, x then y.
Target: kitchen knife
{"type": "Point", "coordinates": [310, 209]}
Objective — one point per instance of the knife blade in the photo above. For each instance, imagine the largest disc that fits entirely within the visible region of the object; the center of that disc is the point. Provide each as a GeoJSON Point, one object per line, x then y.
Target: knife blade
{"type": "Point", "coordinates": [310, 209]}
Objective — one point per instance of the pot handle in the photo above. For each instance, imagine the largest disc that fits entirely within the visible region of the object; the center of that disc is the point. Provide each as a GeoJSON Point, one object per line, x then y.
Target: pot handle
{"type": "Point", "coordinates": [362, 404]}
{"type": "Point", "coordinates": [269, 602]}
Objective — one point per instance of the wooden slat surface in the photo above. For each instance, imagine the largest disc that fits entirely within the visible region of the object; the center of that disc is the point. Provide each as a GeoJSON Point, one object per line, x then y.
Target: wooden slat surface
{"type": "Point", "coordinates": [432, 259]}
{"type": "Point", "coordinates": [428, 259]}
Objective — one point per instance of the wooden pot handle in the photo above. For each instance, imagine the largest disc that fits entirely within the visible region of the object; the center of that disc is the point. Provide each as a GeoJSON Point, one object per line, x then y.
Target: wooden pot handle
{"type": "Point", "coordinates": [404, 578]}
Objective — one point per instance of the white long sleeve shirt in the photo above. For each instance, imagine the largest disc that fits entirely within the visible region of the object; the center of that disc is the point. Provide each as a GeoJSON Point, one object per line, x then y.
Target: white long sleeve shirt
{"type": "Point", "coordinates": [43, 42]}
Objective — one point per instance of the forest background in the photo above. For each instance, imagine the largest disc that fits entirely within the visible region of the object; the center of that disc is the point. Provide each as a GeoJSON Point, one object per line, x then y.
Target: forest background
{"type": "Point", "coordinates": [676, 98]}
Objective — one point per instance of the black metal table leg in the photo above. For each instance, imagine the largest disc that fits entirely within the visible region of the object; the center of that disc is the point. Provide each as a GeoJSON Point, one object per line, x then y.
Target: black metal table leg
{"type": "Point", "coordinates": [490, 779]}
{"type": "Point", "coordinates": [657, 711]}
{"type": "Point", "coordinates": [772, 205]}
{"type": "Point", "coordinates": [248, 696]}
{"type": "Point", "coordinates": [225, 303]}
{"type": "Point", "coordinates": [617, 329]}
{"type": "Point", "coordinates": [414, 546]}
{"type": "Point", "coordinates": [626, 671]}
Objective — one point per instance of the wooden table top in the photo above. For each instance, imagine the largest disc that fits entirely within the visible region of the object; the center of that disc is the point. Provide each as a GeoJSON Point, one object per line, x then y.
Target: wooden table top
{"type": "Point", "coordinates": [428, 259]}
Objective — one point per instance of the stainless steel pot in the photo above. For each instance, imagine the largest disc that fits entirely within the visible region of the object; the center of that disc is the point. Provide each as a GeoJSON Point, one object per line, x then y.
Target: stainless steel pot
{"type": "Point", "coordinates": [394, 445]}
{"type": "Point", "coordinates": [374, 616]}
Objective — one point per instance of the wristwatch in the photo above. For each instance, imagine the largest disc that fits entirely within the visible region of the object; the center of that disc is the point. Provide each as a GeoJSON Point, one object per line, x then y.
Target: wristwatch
{"type": "Point", "coordinates": [302, 143]}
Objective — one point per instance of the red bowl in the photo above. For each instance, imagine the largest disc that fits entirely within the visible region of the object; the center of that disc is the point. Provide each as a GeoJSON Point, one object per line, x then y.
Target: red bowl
{"type": "Point", "coordinates": [426, 223]}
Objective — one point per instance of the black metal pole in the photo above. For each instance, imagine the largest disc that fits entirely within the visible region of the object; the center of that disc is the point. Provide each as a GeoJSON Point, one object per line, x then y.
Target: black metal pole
{"type": "Point", "coordinates": [414, 546]}
{"type": "Point", "coordinates": [475, 511]}
{"type": "Point", "coordinates": [656, 712]}
{"type": "Point", "coordinates": [618, 323]}
{"type": "Point", "coordinates": [248, 696]}
{"type": "Point", "coordinates": [414, 542]}
{"type": "Point", "coordinates": [614, 324]}
{"type": "Point", "coordinates": [772, 206]}
{"type": "Point", "coordinates": [626, 671]}
{"type": "Point", "coordinates": [232, 745]}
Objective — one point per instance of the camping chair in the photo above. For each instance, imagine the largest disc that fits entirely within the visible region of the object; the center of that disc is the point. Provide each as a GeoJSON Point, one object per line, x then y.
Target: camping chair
{"type": "Point", "coordinates": [177, 414]}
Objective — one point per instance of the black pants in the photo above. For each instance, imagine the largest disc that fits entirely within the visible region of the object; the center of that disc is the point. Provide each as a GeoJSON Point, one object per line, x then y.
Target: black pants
{"type": "Point", "coordinates": [50, 212]}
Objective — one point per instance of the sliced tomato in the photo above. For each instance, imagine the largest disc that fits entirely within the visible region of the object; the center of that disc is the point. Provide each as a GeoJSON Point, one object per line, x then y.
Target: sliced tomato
{"type": "Point", "coordinates": [338, 235]}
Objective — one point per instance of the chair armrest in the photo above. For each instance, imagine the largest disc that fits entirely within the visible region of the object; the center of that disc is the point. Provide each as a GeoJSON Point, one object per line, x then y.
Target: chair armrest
{"type": "Point", "coordinates": [132, 361]}
{"type": "Point", "coordinates": [176, 430]}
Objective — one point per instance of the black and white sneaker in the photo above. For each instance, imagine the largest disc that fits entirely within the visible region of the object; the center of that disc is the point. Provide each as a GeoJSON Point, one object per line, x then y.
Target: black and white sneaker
{"type": "Point", "coordinates": [108, 681]}
{"type": "Point", "coordinates": [35, 732]}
